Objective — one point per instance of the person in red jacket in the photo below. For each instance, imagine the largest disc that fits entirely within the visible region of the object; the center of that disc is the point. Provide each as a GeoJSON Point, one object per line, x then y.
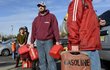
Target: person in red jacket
{"type": "Point", "coordinates": [84, 30]}
{"type": "Point", "coordinates": [44, 31]}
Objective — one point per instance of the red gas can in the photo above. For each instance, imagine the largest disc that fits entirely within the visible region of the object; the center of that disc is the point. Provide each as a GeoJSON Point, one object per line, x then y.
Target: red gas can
{"type": "Point", "coordinates": [33, 53]}
{"type": "Point", "coordinates": [25, 56]}
{"type": "Point", "coordinates": [27, 64]}
{"type": "Point", "coordinates": [55, 51]}
{"type": "Point", "coordinates": [23, 49]}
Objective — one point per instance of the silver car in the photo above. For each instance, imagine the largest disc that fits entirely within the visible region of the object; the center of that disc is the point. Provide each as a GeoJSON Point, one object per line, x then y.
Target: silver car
{"type": "Point", "coordinates": [105, 52]}
{"type": "Point", "coordinates": [105, 39]}
{"type": "Point", "coordinates": [5, 47]}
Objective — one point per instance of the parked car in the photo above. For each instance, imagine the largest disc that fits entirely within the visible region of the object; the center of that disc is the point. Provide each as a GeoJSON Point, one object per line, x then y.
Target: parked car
{"type": "Point", "coordinates": [105, 41]}
{"type": "Point", "coordinates": [5, 47]}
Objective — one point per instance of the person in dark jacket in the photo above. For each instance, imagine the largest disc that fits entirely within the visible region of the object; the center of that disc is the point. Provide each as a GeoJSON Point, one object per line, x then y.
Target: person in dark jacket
{"type": "Point", "coordinates": [21, 39]}
{"type": "Point", "coordinates": [44, 31]}
{"type": "Point", "coordinates": [26, 33]}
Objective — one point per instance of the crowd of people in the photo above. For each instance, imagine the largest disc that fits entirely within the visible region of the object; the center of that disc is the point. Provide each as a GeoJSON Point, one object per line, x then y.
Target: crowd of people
{"type": "Point", "coordinates": [83, 28]}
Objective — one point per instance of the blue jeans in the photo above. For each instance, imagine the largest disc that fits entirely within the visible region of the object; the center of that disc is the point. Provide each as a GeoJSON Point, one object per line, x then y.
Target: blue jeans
{"type": "Point", "coordinates": [46, 62]}
{"type": "Point", "coordinates": [13, 55]}
{"type": "Point", "coordinates": [95, 59]}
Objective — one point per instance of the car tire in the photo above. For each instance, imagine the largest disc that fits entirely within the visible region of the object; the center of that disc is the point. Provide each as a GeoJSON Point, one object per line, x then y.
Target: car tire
{"type": "Point", "coordinates": [5, 52]}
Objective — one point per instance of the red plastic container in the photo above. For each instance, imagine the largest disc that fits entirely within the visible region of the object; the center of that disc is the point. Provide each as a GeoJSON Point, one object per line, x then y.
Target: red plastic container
{"type": "Point", "coordinates": [55, 51]}
{"type": "Point", "coordinates": [26, 64]}
{"type": "Point", "coordinates": [23, 49]}
{"type": "Point", "coordinates": [25, 56]}
{"type": "Point", "coordinates": [33, 53]}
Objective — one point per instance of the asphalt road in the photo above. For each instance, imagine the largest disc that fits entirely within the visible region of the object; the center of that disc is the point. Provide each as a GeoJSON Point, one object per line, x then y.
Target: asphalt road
{"type": "Point", "coordinates": [7, 63]}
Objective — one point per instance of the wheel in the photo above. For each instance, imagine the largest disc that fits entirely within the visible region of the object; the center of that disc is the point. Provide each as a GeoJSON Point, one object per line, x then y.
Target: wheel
{"type": "Point", "coordinates": [5, 52]}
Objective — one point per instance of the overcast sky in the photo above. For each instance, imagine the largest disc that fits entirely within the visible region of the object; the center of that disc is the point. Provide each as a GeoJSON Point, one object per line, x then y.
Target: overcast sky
{"type": "Point", "coordinates": [22, 12]}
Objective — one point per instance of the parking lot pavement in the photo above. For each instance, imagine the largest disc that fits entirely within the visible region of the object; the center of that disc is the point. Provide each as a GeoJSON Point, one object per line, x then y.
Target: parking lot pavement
{"type": "Point", "coordinates": [6, 63]}
{"type": "Point", "coordinates": [12, 67]}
